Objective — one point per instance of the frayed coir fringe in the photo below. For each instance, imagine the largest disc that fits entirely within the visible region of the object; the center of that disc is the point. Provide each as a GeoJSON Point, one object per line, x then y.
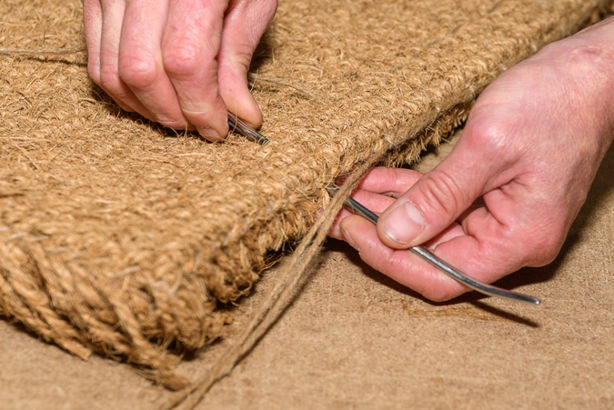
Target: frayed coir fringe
{"type": "Point", "coordinates": [119, 237]}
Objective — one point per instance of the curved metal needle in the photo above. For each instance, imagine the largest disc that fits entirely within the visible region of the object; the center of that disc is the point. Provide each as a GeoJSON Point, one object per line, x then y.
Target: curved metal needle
{"type": "Point", "coordinates": [236, 125]}
{"type": "Point", "coordinates": [358, 208]}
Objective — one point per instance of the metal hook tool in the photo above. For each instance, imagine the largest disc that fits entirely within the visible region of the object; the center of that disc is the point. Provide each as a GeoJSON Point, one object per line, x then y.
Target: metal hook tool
{"type": "Point", "coordinates": [359, 209]}
{"type": "Point", "coordinates": [241, 128]}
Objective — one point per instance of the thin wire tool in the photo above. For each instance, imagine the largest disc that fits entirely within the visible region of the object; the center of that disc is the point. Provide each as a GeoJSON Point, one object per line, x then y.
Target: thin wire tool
{"type": "Point", "coordinates": [241, 128]}
{"type": "Point", "coordinates": [359, 209]}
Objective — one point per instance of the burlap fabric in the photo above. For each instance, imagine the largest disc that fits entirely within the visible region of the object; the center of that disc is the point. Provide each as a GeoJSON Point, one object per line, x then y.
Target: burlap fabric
{"type": "Point", "coordinates": [120, 237]}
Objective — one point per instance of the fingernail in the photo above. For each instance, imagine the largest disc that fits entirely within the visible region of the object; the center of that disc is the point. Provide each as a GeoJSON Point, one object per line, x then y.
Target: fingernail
{"type": "Point", "coordinates": [349, 239]}
{"type": "Point", "coordinates": [403, 223]}
{"type": "Point", "coordinates": [210, 134]}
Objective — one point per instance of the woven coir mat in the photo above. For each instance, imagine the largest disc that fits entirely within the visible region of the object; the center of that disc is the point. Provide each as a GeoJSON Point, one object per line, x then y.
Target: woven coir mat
{"type": "Point", "coordinates": [120, 237]}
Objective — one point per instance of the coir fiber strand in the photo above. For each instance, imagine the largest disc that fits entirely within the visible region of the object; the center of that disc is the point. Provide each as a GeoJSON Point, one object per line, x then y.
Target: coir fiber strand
{"type": "Point", "coordinates": [278, 298]}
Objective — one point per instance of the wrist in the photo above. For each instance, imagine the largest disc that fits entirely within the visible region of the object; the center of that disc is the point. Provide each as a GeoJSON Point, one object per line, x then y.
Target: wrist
{"type": "Point", "coordinates": [587, 61]}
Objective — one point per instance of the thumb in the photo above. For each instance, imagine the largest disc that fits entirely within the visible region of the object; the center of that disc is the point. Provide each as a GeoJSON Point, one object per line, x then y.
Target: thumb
{"type": "Point", "coordinates": [436, 200]}
{"type": "Point", "coordinates": [244, 24]}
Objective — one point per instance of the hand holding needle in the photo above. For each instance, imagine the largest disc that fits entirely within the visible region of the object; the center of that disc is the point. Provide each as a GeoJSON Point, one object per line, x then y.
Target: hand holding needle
{"type": "Point", "coordinates": [245, 130]}
{"type": "Point", "coordinates": [359, 209]}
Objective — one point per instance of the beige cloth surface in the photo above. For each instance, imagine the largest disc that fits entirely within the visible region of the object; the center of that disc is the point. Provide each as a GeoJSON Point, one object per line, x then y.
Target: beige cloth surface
{"type": "Point", "coordinates": [354, 339]}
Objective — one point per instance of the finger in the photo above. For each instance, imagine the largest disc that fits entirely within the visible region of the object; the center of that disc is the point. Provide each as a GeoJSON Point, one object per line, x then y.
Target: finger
{"type": "Point", "coordinates": [438, 198]}
{"type": "Point", "coordinates": [375, 202]}
{"type": "Point", "coordinates": [140, 62]}
{"type": "Point", "coordinates": [112, 19]}
{"type": "Point", "coordinates": [517, 225]}
{"type": "Point", "coordinates": [92, 22]}
{"type": "Point", "coordinates": [400, 265]}
{"type": "Point", "coordinates": [190, 46]}
{"type": "Point", "coordinates": [488, 245]}
{"type": "Point", "coordinates": [485, 260]}
{"type": "Point", "coordinates": [377, 191]}
{"type": "Point", "coordinates": [389, 181]}
{"type": "Point", "coordinates": [244, 25]}
{"type": "Point", "coordinates": [335, 229]}
{"type": "Point", "coordinates": [486, 252]}
{"type": "Point", "coordinates": [453, 231]}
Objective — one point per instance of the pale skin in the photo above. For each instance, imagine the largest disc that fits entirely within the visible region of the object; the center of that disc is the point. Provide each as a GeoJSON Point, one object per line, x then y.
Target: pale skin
{"type": "Point", "coordinates": [181, 63]}
{"type": "Point", "coordinates": [507, 194]}
{"type": "Point", "coordinates": [503, 199]}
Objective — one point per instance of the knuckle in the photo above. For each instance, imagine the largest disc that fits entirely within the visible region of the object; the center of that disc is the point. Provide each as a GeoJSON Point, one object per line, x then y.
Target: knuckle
{"type": "Point", "coordinates": [209, 112]}
{"type": "Point", "coordinates": [441, 194]}
{"type": "Point", "coordinates": [243, 57]}
{"type": "Point", "coordinates": [182, 58]}
{"type": "Point", "coordinates": [586, 59]}
{"type": "Point", "coordinates": [176, 124]}
{"type": "Point", "coordinates": [109, 78]}
{"type": "Point", "coordinates": [138, 70]}
{"type": "Point", "coordinates": [491, 136]}
{"type": "Point", "coordinates": [93, 71]}
{"type": "Point", "coordinates": [485, 130]}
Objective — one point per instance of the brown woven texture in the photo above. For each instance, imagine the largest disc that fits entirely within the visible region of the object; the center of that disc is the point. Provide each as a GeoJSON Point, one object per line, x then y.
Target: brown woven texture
{"type": "Point", "coordinates": [120, 237]}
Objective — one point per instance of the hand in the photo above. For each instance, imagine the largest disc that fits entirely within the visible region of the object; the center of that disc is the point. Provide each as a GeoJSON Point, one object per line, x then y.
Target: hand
{"type": "Point", "coordinates": [507, 194]}
{"type": "Point", "coordinates": [182, 63]}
